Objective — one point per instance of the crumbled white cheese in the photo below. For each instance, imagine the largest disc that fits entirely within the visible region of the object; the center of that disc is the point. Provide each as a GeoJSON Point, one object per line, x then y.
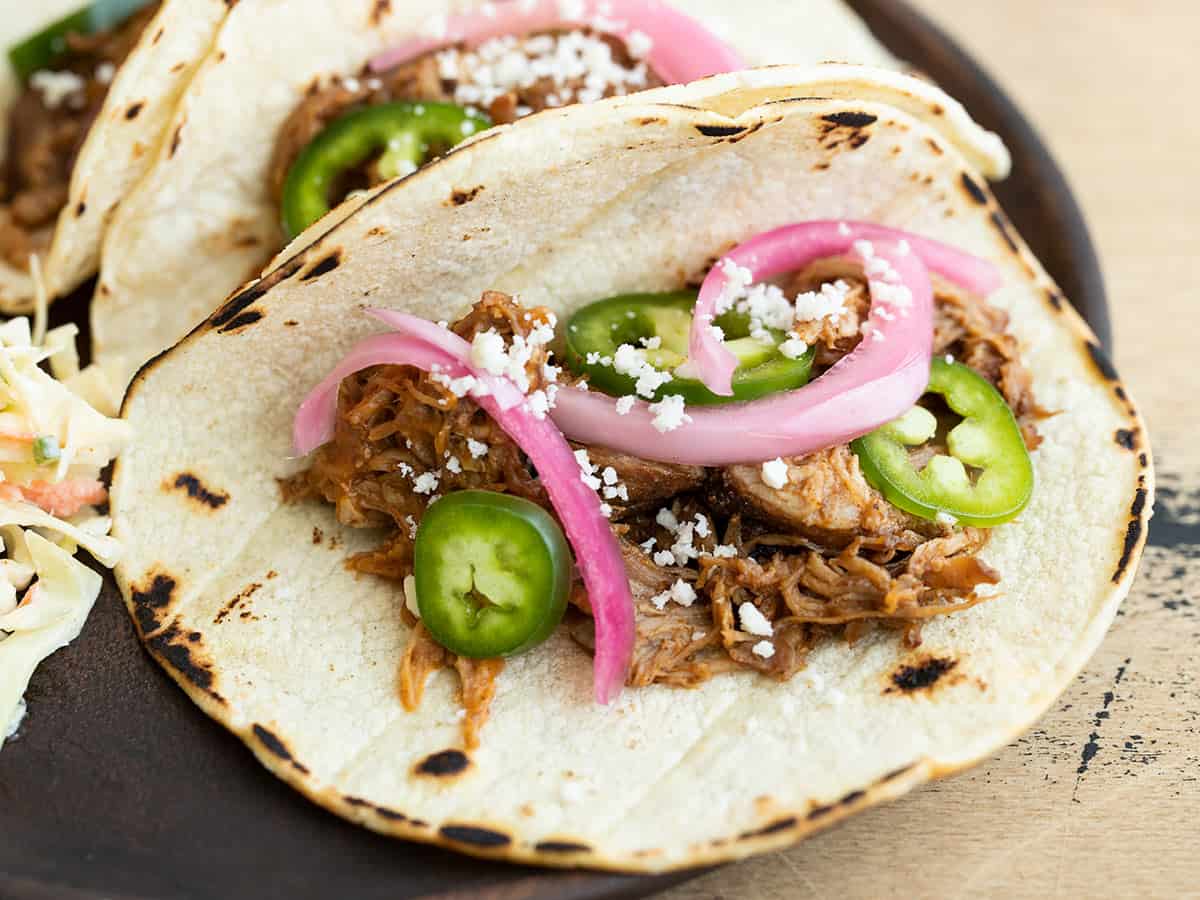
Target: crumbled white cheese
{"type": "Point", "coordinates": [606, 510]}
{"type": "Point", "coordinates": [489, 353]}
{"type": "Point", "coordinates": [828, 302]}
{"type": "Point", "coordinates": [669, 413]}
{"type": "Point", "coordinates": [765, 649]}
{"type": "Point", "coordinates": [630, 360]}
{"type": "Point", "coordinates": [587, 471]}
{"type": "Point", "coordinates": [667, 520]}
{"type": "Point", "coordinates": [903, 248]}
{"type": "Point", "coordinates": [55, 87]}
{"type": "Point", "coordinates": [944, 518]}
{"type": "Point", "coordinates": [105, 72]}
{"type": "Point", "coordinates": [648, 544]}
{"type": "Point", "coordinates": [724, 551]}
{"type": "Point", "coordinates": [639, 43]}
{"type": "Point", "coordinates": [477, 449]}
{"type": "Point", "coordinates": [572, 10]}
{"type": "Point", "coordinates": [865, 249]}
{"type": "Point", "coordinates": [412, 526]}
{"type": "Point", "coordinates": [893, 294]}
{"type": "Point", "coordinates": [405, 469]}
{"type": "Point", "coordinates": [737, 280]}
{"type": "Point", "coordinates": [699, 635]}
{"type": "Point", "coordinates": [754, 622]}
{"type": "Point", "coordinates": [625, 404]}
{"type": "Point", "coordinates": [680, 592]}
{"type": "Point", "coordinates": [664, 558]}
{"type": "Point", "coordinates": [775, 473]}
{"type": "Point", "coordinates": [793, 347]}
{"type": "Point", "coordinates": [609, 475]}
{"type": "Point", "coordinates": [426, 483]}
{"type": "Point", "coordinates": [651, 343]}
{"type": "Point", "coordinates": [843, 229]}
{"type": "Point", "coordinates": [538, 404]}
{"type": "Point", "coordinates": [580, 66]}
{"type": "Point", "coordinates": [453, 465]}
{"type": "Point", "coordinates": [702, 528]}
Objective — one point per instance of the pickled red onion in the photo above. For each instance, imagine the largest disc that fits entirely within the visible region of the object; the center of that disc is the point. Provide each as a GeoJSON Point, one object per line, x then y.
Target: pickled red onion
{"type": "Point", "coordinates": [597, 553]}
{"type": "Point", "coordinates": [682, 49]}
{"type": "Point", "coordinates": [875, 383]}
{"type": "Point", "coordinates": [795, 246]}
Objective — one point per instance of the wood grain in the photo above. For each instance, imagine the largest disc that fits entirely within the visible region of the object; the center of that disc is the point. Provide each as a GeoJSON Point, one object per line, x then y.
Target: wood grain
{"type": "Point", "coordinates": [1102, 799]}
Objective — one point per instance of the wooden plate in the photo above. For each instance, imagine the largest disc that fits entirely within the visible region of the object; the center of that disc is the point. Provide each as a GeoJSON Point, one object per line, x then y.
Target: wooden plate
{"type": "Point", "coordinates": [118, 787]}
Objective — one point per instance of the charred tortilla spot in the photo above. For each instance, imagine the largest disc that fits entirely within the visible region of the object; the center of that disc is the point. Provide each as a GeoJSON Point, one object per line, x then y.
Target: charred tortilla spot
{"type": "Point", "coordinates": [818, 812]}
{"type": "Point", "coordinates": [850, 119]}
{"type": "Point", "coordinates": [974, 191]}
{"type": "Point", "coordinates": [176, 138]}
{"type": "Point", "coordinates": [355, 801]}
{"type": "Point", "coordinates": [291, 323]}
{"type": "Point", "coordinates": [240, 321]}
{"type": "Point", "coordinates": [324, 267]}
{"type": "Point", "coordinates": [196, 490]}
{"type": "Point", "coordinates": [651, 120]}
{"type": "Point", "coordinates": [749, 131]}
{"type": "Point", "coordinates": [474, 835]}
{"type": "Point", "coordinates": [858, 140]}
{"type": "Point", "coordinates": [561, 847]}
{"type": "Point", "coordinates": [1055, 298]}
{"type": "Point", "coordinates": [236, 304]}
{"type": "Point", "coordinates": [896, 773]}
{"type": "Point", "coordinates": [1143, 460]}
{"type": "Point", "coordinates": [444, 763]}
{"type": "Point", "coordinates": [821, 166]}
{"type": "Point", "coordinates": [157, 36]}
{"type": "Point", "coordinates": [1120, 392]}
{"type": "Point", "coordinates": [937, 109]}
{"type": "Point", "coordinates": [169, 646]}
{"type": "Point", "coordinates": [919, 676]}
{"type": "Point", "coordinates": [381, 9]}
{"type": "Point", "coordinates": [377, 231]}
{"type": "Point", "coordinates": [395, 816]}
{"type": "Point", "coordinates": [1101, 361]}
{"type": "Point", "coordinates": [1133, 533]}
{"type": "Point", "coordinates": [1005, 229]}
{"type": "Point", "coordinates": [150, 600]}
{"type": "Point", "coordinates": [80, 209]}
{"type": "Point", "coordinates": [237, 601]}
{"type": "Point", "coordinates": [276, 746]}
{"type": "Point", "coordinates": [771, 828]}
{"type": "Point", "coordinates": [935, 147]}
{"type": "Point", "coordinates": [853, 797]}
{"type": "Point", "coordinates": [720, 130]}
{"type": "Point", "coordinates": [1126, 437]}
{"type": "Point", "coordinates": [458, 197]}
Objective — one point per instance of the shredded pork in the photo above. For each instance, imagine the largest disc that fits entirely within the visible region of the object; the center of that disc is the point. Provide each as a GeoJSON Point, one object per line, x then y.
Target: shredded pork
{"type": "Point", "coordinates": [444, 76]}
{"type": "Point", "coordinates": [823, 557]}
{"type": "Point", "coordinates": [47, 130]}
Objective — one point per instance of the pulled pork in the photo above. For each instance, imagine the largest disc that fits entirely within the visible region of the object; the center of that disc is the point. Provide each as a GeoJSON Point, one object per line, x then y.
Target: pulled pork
{"type": "Point", "coordinates": [825, 556]}
{"type": "Point", "coordinates": [46, 132]}
{"type": "Point", "coordinates": [468, 78]}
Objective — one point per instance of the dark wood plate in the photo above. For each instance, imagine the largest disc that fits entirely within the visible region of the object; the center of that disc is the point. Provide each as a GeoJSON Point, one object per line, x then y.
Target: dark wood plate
{"type": "Point", "coordinates": [117, 787]}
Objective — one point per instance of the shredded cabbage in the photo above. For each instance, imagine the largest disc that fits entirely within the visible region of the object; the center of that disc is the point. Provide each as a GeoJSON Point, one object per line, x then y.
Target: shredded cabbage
{"type": "Point", "coordinates": [57, 432]}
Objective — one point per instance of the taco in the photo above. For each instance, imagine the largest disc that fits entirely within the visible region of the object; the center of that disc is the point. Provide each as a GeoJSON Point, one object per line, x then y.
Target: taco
{"type": "Point", "coordinates": [364, 91]}
{"type": "Point", "coordinates": [737, 407]}
{"type": "Point", "coordinates": [85, 97]}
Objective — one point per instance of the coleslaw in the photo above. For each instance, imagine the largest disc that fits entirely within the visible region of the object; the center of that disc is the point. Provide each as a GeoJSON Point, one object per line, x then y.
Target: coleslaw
{"type": "Point", "coordinates": [57, 432]}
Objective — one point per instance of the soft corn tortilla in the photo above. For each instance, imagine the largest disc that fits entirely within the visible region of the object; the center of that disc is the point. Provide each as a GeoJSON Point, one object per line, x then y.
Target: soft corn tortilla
{"type": "Point", "coordinates": [204, 221]}
{"type": "Point", "coordinates": [122, 141]}
{"type": "Point", "coordinates": [564, 208]}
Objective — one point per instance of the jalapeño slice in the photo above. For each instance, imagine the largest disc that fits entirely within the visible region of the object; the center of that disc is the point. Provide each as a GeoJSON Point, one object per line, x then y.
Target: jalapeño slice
{"type": "Point", "coordinates": [46, 48]}
{"type": "Point", "coordinates": [492, 573]}
{"type": "Point", "coordinates": [401, 136]}
{"type": "Point", "coordinates": [599, 328]}
{"type": "Point", "coordinates": [987, 477]}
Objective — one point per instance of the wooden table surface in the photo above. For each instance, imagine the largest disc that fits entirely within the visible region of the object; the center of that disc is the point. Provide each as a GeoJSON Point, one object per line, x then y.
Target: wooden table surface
{"type": "Point", "coordinates": [1102, 798]}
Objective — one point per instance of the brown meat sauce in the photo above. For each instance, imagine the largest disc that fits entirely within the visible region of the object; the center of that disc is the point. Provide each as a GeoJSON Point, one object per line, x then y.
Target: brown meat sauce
{"type": "Point", "coordinates": [44, 140]}
{"type": "Point", "coordinates": [420, 79]}
{"type": "Point", "coordinates": [824, 557]}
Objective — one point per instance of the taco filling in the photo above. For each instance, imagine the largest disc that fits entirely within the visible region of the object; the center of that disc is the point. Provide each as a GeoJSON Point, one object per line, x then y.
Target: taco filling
{"type": "Point", "coordinates": [66, 71]}
{"type": "Point", "coordinates": [415, 103]}
{"type": "Point", "coordinates": [729, 557]}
